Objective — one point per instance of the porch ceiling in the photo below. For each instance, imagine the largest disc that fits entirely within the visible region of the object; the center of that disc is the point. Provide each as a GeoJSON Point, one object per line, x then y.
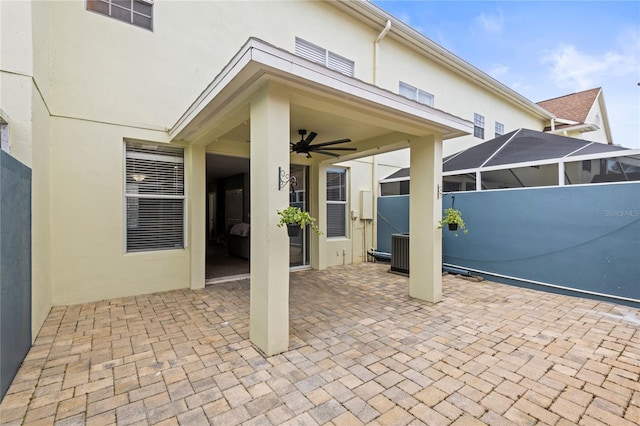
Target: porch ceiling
{"type": "Point", "coordinates": [324, 101]}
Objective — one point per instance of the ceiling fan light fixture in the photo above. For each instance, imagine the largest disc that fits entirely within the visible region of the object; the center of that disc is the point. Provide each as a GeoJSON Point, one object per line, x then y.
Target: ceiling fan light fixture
{"type": "Point", "coordinates": [304, 147]}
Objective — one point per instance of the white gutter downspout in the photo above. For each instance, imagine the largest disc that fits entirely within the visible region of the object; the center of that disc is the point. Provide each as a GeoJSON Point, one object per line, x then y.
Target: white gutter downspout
{"type": "Point", "coordinates": [384, 32]}
{"type": "Point", "coordinates": [374, 162]}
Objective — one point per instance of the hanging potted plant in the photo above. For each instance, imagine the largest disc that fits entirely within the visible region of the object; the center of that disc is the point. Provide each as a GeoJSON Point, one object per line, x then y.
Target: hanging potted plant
{"type": "Point", "coordinates": [296, 219]}
{"type": "Point", "coordinates": [453, 219]}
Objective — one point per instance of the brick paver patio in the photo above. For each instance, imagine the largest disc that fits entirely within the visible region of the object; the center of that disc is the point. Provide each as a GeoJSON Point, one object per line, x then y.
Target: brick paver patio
{"type": "Point", "coordinates": [361, 352]}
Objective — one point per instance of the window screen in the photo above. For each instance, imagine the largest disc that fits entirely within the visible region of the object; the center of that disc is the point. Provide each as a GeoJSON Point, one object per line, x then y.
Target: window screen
{"type": "Point", "coordinates": [154, 197]}
{"type": "Point", "coordinates": [336, 202]}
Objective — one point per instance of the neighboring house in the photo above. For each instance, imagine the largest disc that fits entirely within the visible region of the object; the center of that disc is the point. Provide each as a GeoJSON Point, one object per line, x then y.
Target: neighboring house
{"type": "Point", "coordinates": [127, 113]}
{"type": "Point", "coordinates": [581, 115]}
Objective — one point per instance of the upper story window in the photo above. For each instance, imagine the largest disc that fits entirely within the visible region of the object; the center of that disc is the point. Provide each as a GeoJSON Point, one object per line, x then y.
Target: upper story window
{"type": "Point", "coordinates": [416, 94]}
{"type": "Point", "coordinates": [336, 202]}
{"type": "Point", "coordinates": [499, 129]}
{"type": "Point", "coordinates": [154, 197]}
{"type": "Point", "coordinates": [478, 126]}
{"type": "Point", "coordinates": [136, 12]}
{"type": "Point", "coordinates": [322, 56]}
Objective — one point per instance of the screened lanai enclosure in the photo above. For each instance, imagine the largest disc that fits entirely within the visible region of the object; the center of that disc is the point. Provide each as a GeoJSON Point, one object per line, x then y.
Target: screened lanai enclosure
{"type": "Point", "coordinates": [526, 159]}
{"type": "Point", "coordinates": [543, 211]}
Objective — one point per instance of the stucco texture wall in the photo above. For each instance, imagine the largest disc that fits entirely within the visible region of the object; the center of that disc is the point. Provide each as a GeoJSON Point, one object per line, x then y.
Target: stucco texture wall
{"type": "Point", "coordinates": [88, 260]}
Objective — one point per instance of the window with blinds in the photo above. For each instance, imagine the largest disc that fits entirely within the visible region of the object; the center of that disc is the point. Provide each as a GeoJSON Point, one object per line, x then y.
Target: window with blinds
{"type": "Point", "coordinates": [135, 12]}
{"type": "Point", "coordinates": [154, 197]}
{"type": "Point", "coordinates": [322, 56]}
{"type": "Point", "coordinates": [499, 129]}
{"type": "Point", "coordinates": [336, 202]}
{"type": "Point", "coordinates": [408, 91]}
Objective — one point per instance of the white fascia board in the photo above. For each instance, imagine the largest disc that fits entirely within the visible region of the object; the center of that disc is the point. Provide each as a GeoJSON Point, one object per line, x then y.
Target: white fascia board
{"type": "Point", "coordinates": [398, 179]}
{"type": "Point", "coordinates": [605, 116]}
{"type": "Point", "coordinates": [621, 153]}
{"type": "Point", "coordinates": [369, 13]}
{"type": "Point", "coordinates": [231, 70]}
{"type": "Point", "coordinates": [461, 172]}
{"type": "Point", "coordinates": [565, 121]}
{"type": "Point", "coordinates": [582, 128]}
{"type": "Point", "coordinates": [260, 58]}
{"type": "Point", "coordinates": [356, 90]}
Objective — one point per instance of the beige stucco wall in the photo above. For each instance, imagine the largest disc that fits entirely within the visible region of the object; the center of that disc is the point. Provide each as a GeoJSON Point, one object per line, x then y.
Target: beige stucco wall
{"type": "Point", "coordinates": [24, 35]}
{"type": "Point", "coordinates": [596, 116]}
{"type": "Point", "coordinates": [88, 260]}
{"type": "Point", "coordinates": [41, 289]}
{"type": "Point", "coordinates": [126, 82]}
{"type": "Point", "coordinates": [452, 93]}
{"type": "Point", "coordinates": [150, 78]}
{"type": "Point", "coordinates": [146, 80]}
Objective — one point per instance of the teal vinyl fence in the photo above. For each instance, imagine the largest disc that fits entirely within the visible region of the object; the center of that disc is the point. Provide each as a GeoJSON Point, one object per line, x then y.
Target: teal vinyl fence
{"type": "Point", "coordinates": [15, 267]}
{"type": "Point", "coordinates": [567, 239]}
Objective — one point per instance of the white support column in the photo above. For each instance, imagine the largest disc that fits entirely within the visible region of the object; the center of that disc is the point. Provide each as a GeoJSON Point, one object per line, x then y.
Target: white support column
{"type": "Point", "coordinates": [318, 198]}
{"type": "Point", "coordinates": [269, 294]}
{"type": "Point", "coordinates": [425, 240]}
{"type": "Point", "coordinates": [196, 207]}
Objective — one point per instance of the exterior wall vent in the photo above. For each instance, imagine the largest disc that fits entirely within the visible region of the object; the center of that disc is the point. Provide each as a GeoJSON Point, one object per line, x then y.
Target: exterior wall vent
{"type": "Point", "coordinates": [400, 253]}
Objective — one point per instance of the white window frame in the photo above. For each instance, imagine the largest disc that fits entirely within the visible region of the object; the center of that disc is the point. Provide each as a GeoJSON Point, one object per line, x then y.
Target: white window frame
{"type": "Point", "coordinates": [413, 93]}
{"type": "Point", "coordinates": [345, 203]}
{"type": "Point", "coordinates": [4, 135]}
{"type": "Point", "coordinates": [478, 125]}
{"type": "Point", "coordinates": [111, 4]}
{"type": "Point", "coordinates": [499, 129]}
{"type": "Point", "coordinates": [322, 56]}
{"type": "Point", "coordinates": [130, 193]}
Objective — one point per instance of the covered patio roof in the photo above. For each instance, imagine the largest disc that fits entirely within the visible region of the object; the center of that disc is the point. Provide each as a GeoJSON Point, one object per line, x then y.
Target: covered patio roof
{"type": "Point", "coordinates": [253, 109]}
{"type": "Point", "coordinates": [322, 100]}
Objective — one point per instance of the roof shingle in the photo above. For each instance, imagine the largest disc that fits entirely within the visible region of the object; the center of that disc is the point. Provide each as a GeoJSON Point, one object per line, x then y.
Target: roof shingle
{"type": "Point", "coordinates": [574, 107]}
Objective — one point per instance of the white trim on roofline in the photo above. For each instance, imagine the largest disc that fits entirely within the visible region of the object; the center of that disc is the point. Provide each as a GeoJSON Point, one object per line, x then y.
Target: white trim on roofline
{"type": "Point", "coordinates": [582, 128]}
{"type": "Point", "coordinates": [374, 16]}
{"type": "Point", "coordinates": [257, 58]}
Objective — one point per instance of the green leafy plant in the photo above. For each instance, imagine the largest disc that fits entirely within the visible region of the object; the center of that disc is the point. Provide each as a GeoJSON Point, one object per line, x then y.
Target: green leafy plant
{"type": "Point", "coordinates": [295, 216]}
{"type": "Point", "coordinates": [453, 217]}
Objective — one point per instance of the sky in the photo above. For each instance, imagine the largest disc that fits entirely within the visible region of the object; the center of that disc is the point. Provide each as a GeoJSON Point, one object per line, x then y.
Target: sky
{"type": "Point", "coordinates": [544, 49]}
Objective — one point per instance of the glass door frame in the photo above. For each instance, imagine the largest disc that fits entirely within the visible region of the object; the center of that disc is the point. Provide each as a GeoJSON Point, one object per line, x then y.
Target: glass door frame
{"type": "Point", "coordinates": [299, 197]}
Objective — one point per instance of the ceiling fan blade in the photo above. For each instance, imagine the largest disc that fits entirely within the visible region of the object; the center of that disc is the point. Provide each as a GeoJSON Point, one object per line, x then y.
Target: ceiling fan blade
{"type": "Point", "coordinates": [333, 142]}
{"type": "Point", "coordinates": [312, 148]}
{"type": "Point", "coordinates": [309, 138]}
{"type": "Point", "coordinates": [326, 153]}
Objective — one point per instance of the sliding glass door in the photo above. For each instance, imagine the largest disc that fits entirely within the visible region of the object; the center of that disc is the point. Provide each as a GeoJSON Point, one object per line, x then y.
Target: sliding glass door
{"type": "Point", "coordinates": [298, 197]}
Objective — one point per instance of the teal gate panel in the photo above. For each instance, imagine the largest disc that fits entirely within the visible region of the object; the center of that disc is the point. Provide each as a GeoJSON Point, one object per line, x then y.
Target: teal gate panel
{"type": "Point", "coordinates": [15, 267]}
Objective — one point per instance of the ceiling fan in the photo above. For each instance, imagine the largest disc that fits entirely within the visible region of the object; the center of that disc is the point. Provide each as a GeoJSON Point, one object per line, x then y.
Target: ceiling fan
{"type": "Point", "coordinates": [304, 147]}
